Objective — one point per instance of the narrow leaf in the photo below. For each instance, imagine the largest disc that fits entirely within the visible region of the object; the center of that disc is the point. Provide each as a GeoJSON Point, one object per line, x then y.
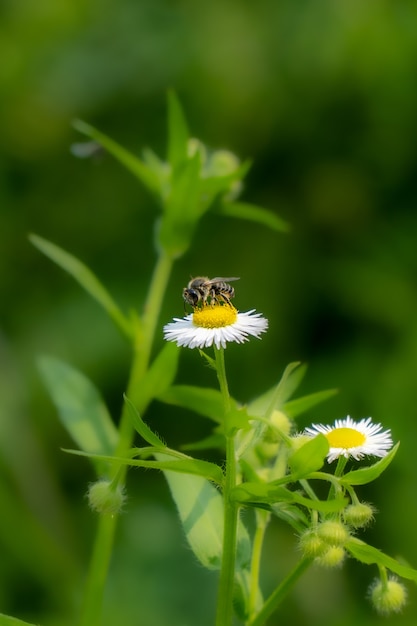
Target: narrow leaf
{"type": "Point", "coordinates": [186, 465]}
{"type": "Point", "coordinates": [253, 213]}
{"type": "Point", "coordinates": [80, 407]}
{"type": "Point", "coordinates": [140, 426]}
{"type": "Point", "coordinates": [177, 132]}
{"type": "Point", "coordinates": [293, 408]}
{"type": "Point", "coordinates": [142, 171]}
{"type": "Point", "coordinates": [202, 400]}
{"type": "Point", "coordinates": [85, 277]}
{"type": "Point", "coordinates": [268, 494]}
{"type": "Point", "coordinates": [366, 475]}
{"type": "Point", "coordinates": [6, 620]}
{"type": "Point", "coordinates": [370, 555]}
{"type": "Point", "coordinates": [276, 397]}
{"type": "Point", "coordinates": [310, 457]}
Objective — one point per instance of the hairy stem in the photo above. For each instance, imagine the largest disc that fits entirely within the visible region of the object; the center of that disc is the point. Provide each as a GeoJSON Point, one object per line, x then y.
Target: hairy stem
{"type": "Point", "coordinates": [224, 616]}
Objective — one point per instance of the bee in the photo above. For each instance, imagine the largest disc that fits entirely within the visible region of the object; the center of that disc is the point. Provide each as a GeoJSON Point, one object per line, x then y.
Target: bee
{"type": "Point", "coordinates": [201, 290]}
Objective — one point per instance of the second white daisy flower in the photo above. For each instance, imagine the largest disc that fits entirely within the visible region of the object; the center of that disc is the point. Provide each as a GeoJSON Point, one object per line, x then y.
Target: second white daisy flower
{"type": "Point", "coordinates": [354, 439]}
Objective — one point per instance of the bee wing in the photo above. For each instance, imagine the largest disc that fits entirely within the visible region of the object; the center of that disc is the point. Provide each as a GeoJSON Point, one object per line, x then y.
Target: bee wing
{"type": "Point", "coordinates": [222, 279]}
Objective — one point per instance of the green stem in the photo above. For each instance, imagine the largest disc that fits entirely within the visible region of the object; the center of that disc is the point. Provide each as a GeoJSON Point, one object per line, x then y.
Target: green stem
{"type": "Point", "coordinates": [224, 616]}
{"type": "Point", "coordinates": [103, 543]}
{"type": "Point", "coordinates": [280, 592]}
{"type": "Point", "coordinates": [262, 520]}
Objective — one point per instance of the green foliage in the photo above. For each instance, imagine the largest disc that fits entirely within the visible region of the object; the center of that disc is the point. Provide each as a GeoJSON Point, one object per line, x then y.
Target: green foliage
{"type": "Point", "coordinates": [6, 620]}
{"type": "Point", "coordinates": [85, 277]}
{"type": "Point", "coordinates": [370, 555]}
{"type": "Point", "coordinates": [310, 457]}
{"type": "Point", "coordinates": [80, 408]}
{"type": "Point", "coordinates": [366, 475]}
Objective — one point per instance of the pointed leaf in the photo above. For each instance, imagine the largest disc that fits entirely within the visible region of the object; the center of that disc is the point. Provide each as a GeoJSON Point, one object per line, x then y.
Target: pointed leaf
{"type": "Point", "coordinates": [269, 493]}
{"type": "Point", "coordinates": [310, 457]}
{"type": "Point", "coordinates": [184, 465]}
{"type": "Point", "coordinates": [80, 407]}
{"type": "Point", "coordinates": [142, 171]}
{"type": "Point", "coordinates": [140, 426]}
{"type": "Point", "coordinates": [253, 213]}
{"type": "Point", "coordinates": [370, 555]}
{"type": "Point", "coordinates": [366, 475]}
{"type": "Point", "coordinates": [276, 397]}
{"type": "Point", "coordinates": [178, 134]}
{"type": "Point", "coordinates": [202, 400]}
{"type": "Point", "coordinates": [293, 408]}
{"type": "Point", "coordinates": [85, 277]}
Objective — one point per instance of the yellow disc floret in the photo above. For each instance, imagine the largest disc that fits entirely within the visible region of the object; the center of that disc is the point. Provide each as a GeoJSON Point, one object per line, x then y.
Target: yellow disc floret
{"type": "Point", "coordinates": [216, 316]}
{"type": "Point", "coordinates": [345, 438]}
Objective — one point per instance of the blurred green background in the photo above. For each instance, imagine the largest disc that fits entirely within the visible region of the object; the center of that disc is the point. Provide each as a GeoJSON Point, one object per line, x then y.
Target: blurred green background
{"type": "Point", "coordinates": [323, 96]}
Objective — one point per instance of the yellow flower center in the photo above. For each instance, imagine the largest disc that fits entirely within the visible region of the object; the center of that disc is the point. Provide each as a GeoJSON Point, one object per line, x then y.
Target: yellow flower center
{"type": "Point", "coordinates": [345, 438]}
{"type": "Point", "coordinates": [215, 316]}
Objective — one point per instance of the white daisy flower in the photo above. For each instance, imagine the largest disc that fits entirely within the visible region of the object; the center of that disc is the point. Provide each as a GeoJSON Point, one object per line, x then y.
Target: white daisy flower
{"type": "Point", "coordinates": [215, 324]}
{"type": "Point", "coordinates": [354, 439]}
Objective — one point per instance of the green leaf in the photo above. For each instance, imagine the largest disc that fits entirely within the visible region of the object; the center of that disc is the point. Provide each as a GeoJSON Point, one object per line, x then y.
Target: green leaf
{"type": "Point", "coordinates": [366, 475]}
{"type": "Point", "coordinates": [276, 397]}
{"type": "Point", "coordinates": [293, 408]}
{"type": "Point", "coordinates": [291, 514]}
{"type": "Point", "coordinates": [202, 400]}
{"type": "Point", "coordinates": [159, 377]}
{"type": "Point", "coordinates": [270, 493]}
{"type": "Point", "coordinates": [80, 408]}
{"type": "Point", "coordinates": [178, 134]}
{"type": "Point", "coordinates": [140, 426]}
{"type": "Point", "coordinates": [183, 465]}
{"type": "Point", "coordinates": [6, 620]}
{"type": "Point", "coordinates": [131, 162]}
{"type": "Point", "coordinates": [85, 277]}
{"type": "Point", "coordinates": [370, 555]}
{"type": "Point", "coordinates": [253, 213]}
{"type": "Point", "coordinates": [215, 441]}
{"type": "Point", "coordinates": [310, 457]}
{"type": "Point", "coordinates": [200, 508]}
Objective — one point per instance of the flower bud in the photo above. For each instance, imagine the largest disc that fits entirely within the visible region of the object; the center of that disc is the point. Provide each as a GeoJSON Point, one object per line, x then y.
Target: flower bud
{"type": "Point", "coordinates": [333, 533]}
{"type": "Point", "coordinates": [358, 515]}
{"type": "Point", "coordinates": [311, 545]}
{"type": "Point", "coordinates": [104, 498]}
{"type": "Point", "coordinates": [333, 557]}
{"type": "Point", "coordinates": [388, 596]}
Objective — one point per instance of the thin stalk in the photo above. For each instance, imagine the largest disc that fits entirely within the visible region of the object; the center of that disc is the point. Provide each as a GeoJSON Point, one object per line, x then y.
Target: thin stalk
{"type": "Point", "coordinates": [280, 592]}
{"type": "Point", "coordinates": [262, 520]}
{"type": "Point", "coordinates": [224, 616]}
{"type": "Point", "coordinates": [103, 543]}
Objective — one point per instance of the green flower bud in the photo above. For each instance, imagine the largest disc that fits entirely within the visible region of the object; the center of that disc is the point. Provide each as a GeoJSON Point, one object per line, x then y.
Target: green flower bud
{"type": "Point", "coordinates": [104, 498]}
{"type": "Point", "coordinates": [358, 515]}
{"type": "Point", "coordinates": [333, 533]}
{"type": "Point", "coordinates": [311, 545]}
{"type": "Point", "coordinates": [388, 596]}
{"type": "Point", "coordinates": [333, 557]}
